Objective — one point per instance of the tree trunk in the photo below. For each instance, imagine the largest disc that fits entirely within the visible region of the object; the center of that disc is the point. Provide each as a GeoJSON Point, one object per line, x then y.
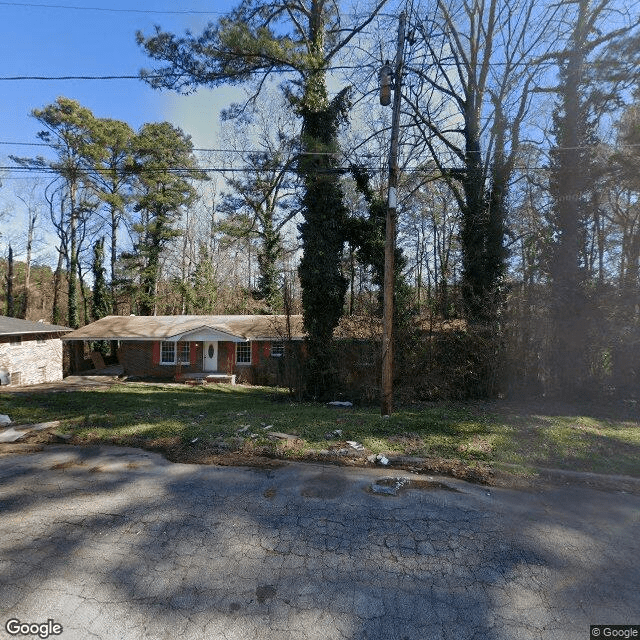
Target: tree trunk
{"type": "Point", "coordinates": [72, 308]}
{"type": "Point", "coordinates": [56, 313]}
{"type": "Point", "coordinates": [568, 355]}
{"type": "Point", "coordinates": [114, 257]}
{"type": "Point", "coordinates": [27, 275]}
{"type": "Point", "coordinates": [10, 305]}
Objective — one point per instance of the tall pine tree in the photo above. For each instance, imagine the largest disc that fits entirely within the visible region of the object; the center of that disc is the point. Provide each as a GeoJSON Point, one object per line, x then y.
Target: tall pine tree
{"type": "Point", "coordinates": [165, 168]}
{"type": "Point", "coordinates": [300, 39]}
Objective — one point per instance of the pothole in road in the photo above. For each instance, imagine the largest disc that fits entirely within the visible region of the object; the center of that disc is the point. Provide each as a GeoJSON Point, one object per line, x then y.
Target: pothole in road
{"type": "Point", "coordinates": [392, 486]}
{"type": "Point", "coordinates": [265, 592]}
{"type": "Point", "coordinates": [324, 486]}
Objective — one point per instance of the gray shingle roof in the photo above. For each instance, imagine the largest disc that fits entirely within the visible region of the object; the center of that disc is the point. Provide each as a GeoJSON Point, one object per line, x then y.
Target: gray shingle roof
{"type": "Point", "coordinates": [16, 326]}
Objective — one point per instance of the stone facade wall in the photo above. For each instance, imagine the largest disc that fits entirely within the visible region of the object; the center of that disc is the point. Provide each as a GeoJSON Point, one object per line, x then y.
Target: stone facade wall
{"type": "Point", "coordinates": [36, 359]}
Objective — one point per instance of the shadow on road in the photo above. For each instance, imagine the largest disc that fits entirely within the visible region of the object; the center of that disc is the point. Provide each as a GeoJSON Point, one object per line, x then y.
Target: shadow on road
{"type": "Point", "coordinates": [127, 545]}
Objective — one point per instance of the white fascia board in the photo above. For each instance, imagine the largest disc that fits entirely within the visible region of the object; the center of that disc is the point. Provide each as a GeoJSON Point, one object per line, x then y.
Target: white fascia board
{"type": "Point", "coordinates": [206, 334]}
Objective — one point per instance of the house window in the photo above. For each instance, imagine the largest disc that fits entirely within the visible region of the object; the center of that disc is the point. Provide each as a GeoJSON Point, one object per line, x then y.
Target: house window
{"type": "Point", "coordinates": [243, 353]}
{"type": "Point", "coordinates": [15, 341]}
{"type": "Point", "coordinates": [16, 377]}
{"type": "Point", "coordinates": [277, 349]}
{"type": "Point", "coordinates": [167, 353]}
{"type": "Point", "coordinates": [184, 352]}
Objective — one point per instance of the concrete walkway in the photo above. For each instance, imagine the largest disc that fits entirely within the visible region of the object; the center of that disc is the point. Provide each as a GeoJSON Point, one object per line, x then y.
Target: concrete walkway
{"type": "Point", "coordinates": [90, 378]}
{"type": "Point", "coordinates": [118, 543]}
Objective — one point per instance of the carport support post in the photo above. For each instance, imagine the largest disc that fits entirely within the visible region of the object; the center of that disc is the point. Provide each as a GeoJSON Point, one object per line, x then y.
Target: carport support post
{"type": "Point", "coordinates": [77, 355]}
{"type": "Point", "coordinates": [390, 234]}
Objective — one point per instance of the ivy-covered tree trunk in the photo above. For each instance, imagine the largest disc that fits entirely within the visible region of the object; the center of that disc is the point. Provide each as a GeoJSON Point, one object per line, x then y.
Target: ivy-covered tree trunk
{"type": "Point", "coordinates": [151, 270]}
{"type": "Point", "coordinates": [482, 228]}
{"type": "Point", "coordinates": [568, 188]}
{"type": "Point", "coordinates": [322, 233]}
{"type": "Point", "coordinates": [10, 306]}
{"type": "Point", "coordinates": [100, 303]}
{"type": "Point", "coordinates": [72, 282]}
{"type": "Point", "coordinates": [368, 236]}
{"type": "Point", "coordinates": [495, 252]}
{"type": "Point", "coordinates": [56, 312]}
{"type": "Point", "coordinates": [268, 255]}
{"type": "Point", "coordinates": [305, 38]}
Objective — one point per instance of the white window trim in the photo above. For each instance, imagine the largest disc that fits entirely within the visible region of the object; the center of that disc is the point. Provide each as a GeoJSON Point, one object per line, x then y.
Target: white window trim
{"type": "Point", "coordinates": [244, 362]}
{"type": "Point", "coordinates": [166, 363]}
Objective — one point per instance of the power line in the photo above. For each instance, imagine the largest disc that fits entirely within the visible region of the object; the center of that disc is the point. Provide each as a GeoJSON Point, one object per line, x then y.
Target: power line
{"type": "Point", "coordinates": [151, 76]}
{"type": "Point", "coordinates": [617, 145]}
{"type": "Point", "coordinates": [168, 75]}
{"type": "Point", "coordinates": [122, 77]}
{"type": "Point", "coordinates": [186, 12]}
{"type": "Point", "coordinates": [25, 144]}
{"type": "Point", "coordinates": [110, 10]}
{"type": "Point", "coordinates": [197, 149]}
{"type": "Point", "coordinates": [48, 171]}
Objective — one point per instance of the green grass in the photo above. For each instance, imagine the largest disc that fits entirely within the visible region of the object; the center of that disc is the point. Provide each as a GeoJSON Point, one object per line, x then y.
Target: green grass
{"type": "Point", "coordinates": [472, 433]}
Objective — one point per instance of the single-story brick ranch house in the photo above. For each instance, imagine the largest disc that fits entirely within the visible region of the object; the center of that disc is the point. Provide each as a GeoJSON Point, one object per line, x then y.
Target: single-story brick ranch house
{"type": "Point", "coordinates": [251, 348]}
{"type": "Point", "coordinates": [192, 346]}
{"type": "Point", "coordinates": [30, 352]}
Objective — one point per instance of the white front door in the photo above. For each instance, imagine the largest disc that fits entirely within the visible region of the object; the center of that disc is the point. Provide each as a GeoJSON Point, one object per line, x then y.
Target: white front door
{"type": "Point", "coordinates": [210, 356]}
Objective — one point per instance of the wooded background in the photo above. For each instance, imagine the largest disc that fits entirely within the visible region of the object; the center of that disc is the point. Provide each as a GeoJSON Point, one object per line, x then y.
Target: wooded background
{"type": "Point", "coordinates": [518, 249]}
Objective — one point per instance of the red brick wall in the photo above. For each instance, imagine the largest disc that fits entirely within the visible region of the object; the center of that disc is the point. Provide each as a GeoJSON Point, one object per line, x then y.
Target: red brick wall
{"type": "Point", "coordinates": [260, 350]}
{"type": "Point", "coordinates": [137, 359]}
{"type": "Point", "coordinates": [226, 357]}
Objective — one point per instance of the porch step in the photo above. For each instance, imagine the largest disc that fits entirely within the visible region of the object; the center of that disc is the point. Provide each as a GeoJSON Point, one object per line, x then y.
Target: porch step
{"type": "Point", "coordinates": [205, 377]}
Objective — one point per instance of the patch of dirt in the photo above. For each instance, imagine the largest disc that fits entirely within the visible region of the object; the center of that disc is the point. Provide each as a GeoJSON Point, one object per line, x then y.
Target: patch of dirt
{"type": "Point", "coordinates": [10, 448]}
{"type": "Point", "coordinates": [72, 383]}
{"type": "Point", "coordinates": [411, 443]}
{"type": "Point", "coordinates": [61, 466]}
{"type": "Point", "coordinates": [244, 452]}
{"type": "Point", "coordinates": [480, 474]}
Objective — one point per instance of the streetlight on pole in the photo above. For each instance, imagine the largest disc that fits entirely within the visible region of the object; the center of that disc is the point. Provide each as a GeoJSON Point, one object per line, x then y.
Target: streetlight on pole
{"type": "Point", "coordinates": [390, 234]}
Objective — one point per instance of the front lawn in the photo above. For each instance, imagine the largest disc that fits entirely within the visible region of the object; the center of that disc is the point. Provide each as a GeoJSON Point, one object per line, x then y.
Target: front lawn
{"type": "Point", "coordinates": [228, 418]}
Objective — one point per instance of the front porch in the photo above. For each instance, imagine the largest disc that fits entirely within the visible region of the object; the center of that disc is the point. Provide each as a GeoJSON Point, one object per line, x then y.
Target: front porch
{"type": "Point", "coordinates": [204, 377]}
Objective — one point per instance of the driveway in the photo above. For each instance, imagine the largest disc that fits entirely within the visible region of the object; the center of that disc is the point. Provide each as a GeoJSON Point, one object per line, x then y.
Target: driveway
{"type": "Point", "coordinates": [118, 543]}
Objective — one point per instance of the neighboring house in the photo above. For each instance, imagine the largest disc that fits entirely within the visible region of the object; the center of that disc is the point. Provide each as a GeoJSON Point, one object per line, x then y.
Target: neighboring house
{"type": "Point", "coordinates": [181, 347]}
{"type": "Point", "coordinates": [30, 352]}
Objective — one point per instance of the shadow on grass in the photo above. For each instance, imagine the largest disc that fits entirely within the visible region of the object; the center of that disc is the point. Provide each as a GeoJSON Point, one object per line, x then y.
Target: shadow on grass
{"type": "Point", "coordinates": [161, 411]}
{"type": "Point", "coordinates": [181, 421]}
{"type": "Point", "coordinates": [156, 410]}
{"type": "Point", "coordinates": [569, 444]}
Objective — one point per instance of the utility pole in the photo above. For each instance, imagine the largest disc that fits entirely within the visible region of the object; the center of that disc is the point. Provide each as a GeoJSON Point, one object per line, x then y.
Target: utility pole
{"type": "Point", "coordinates": [390, 235]}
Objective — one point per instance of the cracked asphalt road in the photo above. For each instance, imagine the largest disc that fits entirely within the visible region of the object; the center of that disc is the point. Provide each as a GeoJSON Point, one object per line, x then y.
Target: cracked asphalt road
{"type": "Point", "coordinates": [119, 543]}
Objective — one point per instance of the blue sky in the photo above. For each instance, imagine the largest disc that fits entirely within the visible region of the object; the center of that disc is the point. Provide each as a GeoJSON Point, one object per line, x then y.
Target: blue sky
{"type": "Point", "coordinates": [48, 38]}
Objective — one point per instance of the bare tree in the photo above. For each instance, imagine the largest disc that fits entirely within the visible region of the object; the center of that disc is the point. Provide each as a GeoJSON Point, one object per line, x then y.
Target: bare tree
{"type": "Point", "coordinates": [471, 79]}
{"type": "Point", "coordinates": [33, 204]}
{"type": "Point", "coordinates": [263, 197]}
